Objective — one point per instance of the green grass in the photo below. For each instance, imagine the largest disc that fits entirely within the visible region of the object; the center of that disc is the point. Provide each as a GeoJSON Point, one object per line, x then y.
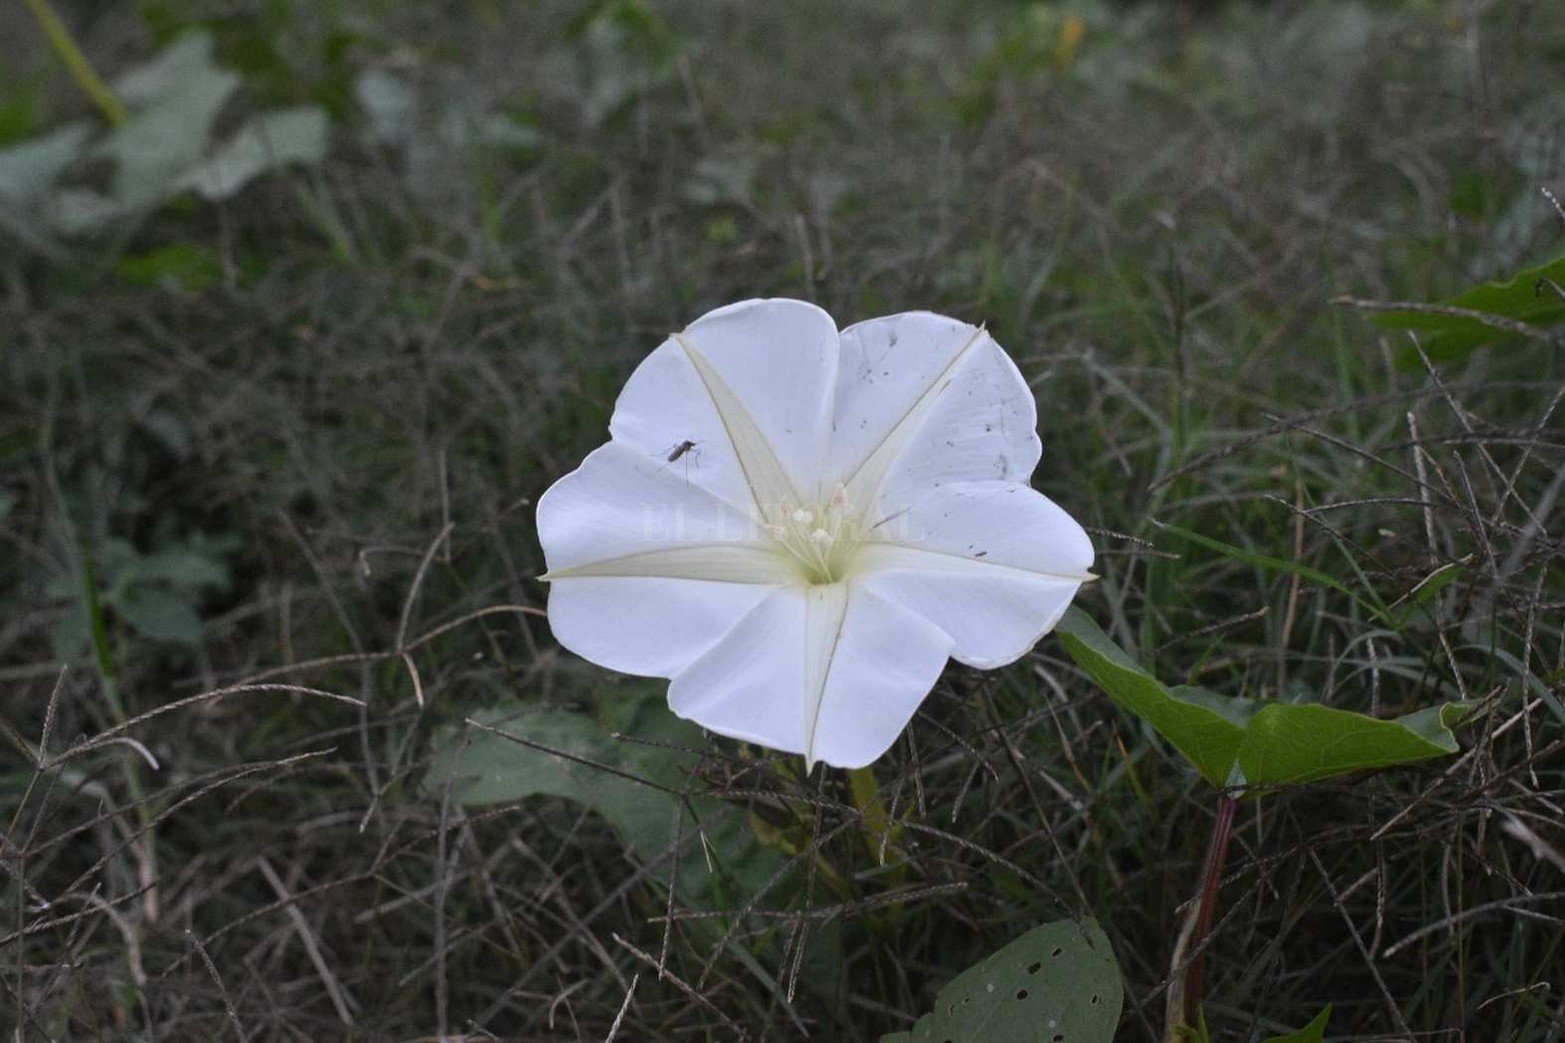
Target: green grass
{"type": "Point", "coordinates": [343, 362]}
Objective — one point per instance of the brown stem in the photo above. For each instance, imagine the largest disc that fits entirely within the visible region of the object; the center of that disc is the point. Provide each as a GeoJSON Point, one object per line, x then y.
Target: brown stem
{"type": "Point", "coordinates": [1211, 880]}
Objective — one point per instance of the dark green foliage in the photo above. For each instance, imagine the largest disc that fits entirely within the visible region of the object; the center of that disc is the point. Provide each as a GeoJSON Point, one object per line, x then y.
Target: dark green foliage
{"type": "Point", "coordinates": [307, 382]}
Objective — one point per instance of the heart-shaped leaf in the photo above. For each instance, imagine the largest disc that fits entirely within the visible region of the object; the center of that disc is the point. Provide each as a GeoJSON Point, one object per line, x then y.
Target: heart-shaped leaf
{"type": "Point", "coordinates": [1525, 297]}
{"type": "Point", "coordinates": [164, 147]}
{"type": "Point", "coordinates": [269, 142]}
{"type": "Point", "coordinates": [1245, 742]}
{"type": "Point", "coordinates": [177, 98]}
{"type": "Point", "coordinates": [1058, 983]}
{"type": "Point", "coordinates": [636, 786]}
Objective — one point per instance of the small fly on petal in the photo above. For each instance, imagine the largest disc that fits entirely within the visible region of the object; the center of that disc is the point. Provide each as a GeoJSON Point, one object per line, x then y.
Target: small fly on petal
{"type": "Point", "coordinates": [688, 450]}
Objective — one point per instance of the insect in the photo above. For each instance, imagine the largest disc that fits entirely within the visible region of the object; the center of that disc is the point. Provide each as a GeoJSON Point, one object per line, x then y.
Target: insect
{"type": "Point", "coordinates": [687, 446]}
{"type": "Point", "coordinates": [689, 451]}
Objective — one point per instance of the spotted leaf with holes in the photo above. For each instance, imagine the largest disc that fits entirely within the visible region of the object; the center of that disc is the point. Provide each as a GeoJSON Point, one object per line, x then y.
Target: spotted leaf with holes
{"type": "Point", "coordinates": [1058, 983]}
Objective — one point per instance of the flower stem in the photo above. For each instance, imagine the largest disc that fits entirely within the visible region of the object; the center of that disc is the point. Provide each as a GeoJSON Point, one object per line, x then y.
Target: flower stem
{"type": "Point", "coordinates": [76, 63]}
{"type": "Point", "coordinates": [1184, 1006]}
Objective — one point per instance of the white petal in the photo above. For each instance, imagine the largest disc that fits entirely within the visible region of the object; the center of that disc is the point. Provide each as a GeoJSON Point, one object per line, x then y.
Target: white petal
{"type": "Point", "coordinates": [664, 406]}
{"type": "Point", "coordinates": [825, 616]}
{"type": "Point", "coordinates": [887, 659]}
{"type": "Point", "coordinates": [993, 564]}
{"type": "Point", "coordinates": [833, 672]}
{"type": "Point", "coordinates": [924, 400]}
{"type": "Point", "coordinates": [646, 625]}
{"type": "Point", "coordinates": [778, 359]}
{"type": "Point", "coordinates": [750, 685]}
{"type": "Point", "coordinates": [619, 503]}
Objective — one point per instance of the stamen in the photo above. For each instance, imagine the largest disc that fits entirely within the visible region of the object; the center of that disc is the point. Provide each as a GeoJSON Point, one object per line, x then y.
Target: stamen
{"type": "Point", "coordinates": [819, 537]}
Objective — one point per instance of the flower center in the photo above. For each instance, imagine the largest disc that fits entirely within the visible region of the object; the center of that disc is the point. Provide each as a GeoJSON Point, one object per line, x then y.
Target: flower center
{"type": "Point", "coordinates": [820, 537]}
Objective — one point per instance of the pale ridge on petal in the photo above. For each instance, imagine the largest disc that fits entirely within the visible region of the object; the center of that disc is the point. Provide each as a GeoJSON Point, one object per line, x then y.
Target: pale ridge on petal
{"type": "Point", "coordinates": [748, 684]}
{"type": "Point", "coordinates": [993, 564]}
{"type": "Point", "coordinates": [879, 557]}
{"type": "Point", "coordinates": [721, 562]}
{"type": "Point", "coordinates": [826, 605]}
{"type": "Point", "coordinates": [864, 483]}
{"type": "Point", "coordinates": [887, 661]}
{"type": "Point", "coordinates": [990, 620]}
{"type": "Point", "coordinates": [769, 482]}
{"type": "Point", "coordinates": [664, 405]}
{"type": "Point", "coordinates": [620, 503]}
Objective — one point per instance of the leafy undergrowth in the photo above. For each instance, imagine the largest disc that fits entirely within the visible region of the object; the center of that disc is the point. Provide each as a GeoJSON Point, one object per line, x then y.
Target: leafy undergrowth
{"type": "Point", "coordinates": [266, 466]}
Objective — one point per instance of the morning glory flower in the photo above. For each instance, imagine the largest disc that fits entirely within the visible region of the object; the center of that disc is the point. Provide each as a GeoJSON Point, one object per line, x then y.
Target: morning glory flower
{"type": "Point", "coordinates": [798, 525]}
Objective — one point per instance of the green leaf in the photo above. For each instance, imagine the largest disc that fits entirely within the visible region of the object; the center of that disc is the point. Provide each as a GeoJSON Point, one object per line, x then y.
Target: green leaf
{"type": "Point", "coordinates": [1415, 602]}
{"type": "Point", "coordinates": [184, 60]}
{"type": "Point", "coordinates": [489, 769]}
{"type": "Point", "coordinates": [1058, 983]}
{"type": "Point", "coordinates": [269, 142]}
{"type": "Point", "coordinates": [183, 266]}
{"type": "Point", "coordinates": [1525, 297]}
{"type": "Point", "coordinates": [1205, 728]}
{"type": "Point", "coordinates": [1310, 1033]}
{"type": "Point", "coordinates": [179, 96]}
{"type": "Point", "coordinates": [27, 172]}
{"type": "Point", "coordinates": [635, 786]}
{"type": "Point", "coordinates": [1243, 742]}
{"type": "Point", "coordinates": [159, 613]}
{"type": "Point", "coordinates": [1292, 743]}
{"type": "Point", "coordinates": [626, 50]}
{"type": "Point", "coordinates": [29, 169]}
{"type": "Point", "coordinates": [20, 111]}
{"type": "Point", "coordinates": [389, 103]}
{"type": "Point", "coordinates": [508, 132]}
{"type": "Point", "coordinates": [182, 567]}
{"type": "Point", "coordinates": [165, 145]}
{"type": "Point", "coordinates": [75, 210]}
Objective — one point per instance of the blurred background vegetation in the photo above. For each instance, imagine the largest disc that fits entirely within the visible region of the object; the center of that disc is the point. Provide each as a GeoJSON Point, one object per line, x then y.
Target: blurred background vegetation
{"type": "Point", "coordinates": [305, 302]}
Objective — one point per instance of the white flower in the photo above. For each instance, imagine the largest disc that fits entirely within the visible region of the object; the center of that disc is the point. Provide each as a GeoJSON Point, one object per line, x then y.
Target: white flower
{"type": "Point", "coordinates": [799, 526]}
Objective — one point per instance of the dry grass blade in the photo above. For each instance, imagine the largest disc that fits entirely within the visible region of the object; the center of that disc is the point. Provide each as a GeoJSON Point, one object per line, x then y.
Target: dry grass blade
{"type": "Point", "coordinates": [1498, 322]}
{"type": "Point", "coordinates": [340, 998]}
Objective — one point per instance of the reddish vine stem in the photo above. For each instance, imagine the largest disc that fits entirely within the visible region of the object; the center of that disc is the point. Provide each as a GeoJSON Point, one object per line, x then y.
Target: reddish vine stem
{"type": "Point", "coordinates": [1211, 880]}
